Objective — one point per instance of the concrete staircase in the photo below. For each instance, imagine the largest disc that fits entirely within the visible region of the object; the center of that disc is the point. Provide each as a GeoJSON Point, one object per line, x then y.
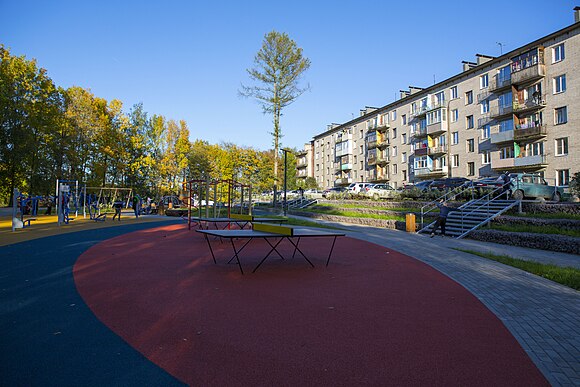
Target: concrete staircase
{"type": "Point", "coordinates": [471, 215]}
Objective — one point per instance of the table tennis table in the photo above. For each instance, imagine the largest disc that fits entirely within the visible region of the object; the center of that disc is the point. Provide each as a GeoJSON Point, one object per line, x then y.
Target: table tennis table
{"type": "Point", "coordinates": [267, 233]}
{"type": "Point", "coordinates": [240, 222]}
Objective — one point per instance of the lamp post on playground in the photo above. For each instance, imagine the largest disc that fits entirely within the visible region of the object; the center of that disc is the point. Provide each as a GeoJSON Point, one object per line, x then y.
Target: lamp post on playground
{"type": "Point", "coordinates": [285, 205]}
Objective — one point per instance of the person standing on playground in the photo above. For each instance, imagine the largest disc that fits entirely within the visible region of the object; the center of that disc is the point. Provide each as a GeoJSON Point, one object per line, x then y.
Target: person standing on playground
{"type": "Point", "coordinates": [444, 210]}
{"type": "Point", "coordinates": [118, 206]}
{"type": "Point", "coordinates": [136, 205]}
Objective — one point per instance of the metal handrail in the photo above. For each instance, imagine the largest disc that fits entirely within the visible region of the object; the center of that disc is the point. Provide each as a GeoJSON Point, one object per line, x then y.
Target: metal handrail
{"type": "Point", "coordinates": [433, 204]}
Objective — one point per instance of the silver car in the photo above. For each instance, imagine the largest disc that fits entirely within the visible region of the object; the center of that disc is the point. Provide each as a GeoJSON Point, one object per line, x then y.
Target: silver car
{"type": "Point", "coordinates": [379, 191]}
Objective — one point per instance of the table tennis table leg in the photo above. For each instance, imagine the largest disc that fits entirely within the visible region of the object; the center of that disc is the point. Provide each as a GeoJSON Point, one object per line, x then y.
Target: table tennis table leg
{"type": "Point", "coordinates": [210, 249]}
{"type": "Point", "coordinates": [329, 254]}
{"type": "Point", "coordinates": [236, 255]}
{"type": "Point", "coordinates": [273, 248]}
{"type": "Point", "coordinates": [296, 248]}
{"type": "Point", "coordinates": [240, 250]}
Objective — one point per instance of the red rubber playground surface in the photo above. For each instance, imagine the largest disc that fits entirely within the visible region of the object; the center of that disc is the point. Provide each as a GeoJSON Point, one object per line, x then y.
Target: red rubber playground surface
{"type": "Point", "coordinates": [374, 316]}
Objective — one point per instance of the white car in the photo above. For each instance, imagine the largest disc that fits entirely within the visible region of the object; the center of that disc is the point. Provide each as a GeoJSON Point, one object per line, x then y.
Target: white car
{"type": "Point", "coordinates": [356, 188]}
{"type": "Point", "coordinates": [380, 191]}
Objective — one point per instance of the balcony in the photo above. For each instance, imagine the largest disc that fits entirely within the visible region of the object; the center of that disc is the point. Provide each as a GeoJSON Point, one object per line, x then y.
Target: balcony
{"type": "Point", "coordinates": [301, 153]}
{"type": "Point", "coordinates": [502, 163]}
{"type": "Point", "coordinates": [499, 83]}
{"type": "Point", "coordinates": [421, 151]}
{"type": "Point", "coordinates": [530, 161]}
{"type": "Point", "coordinates": [372, 160]}
{"type": "Point", "coordinates": [371, 143]}
{"type": "Point", "coordinates": [437, 150]}
{"type": "Point", "coordinates": [301, 175]}
{"type": "Point", "coordinates": [483, 95]}
{"type": "Point", "coordinates": [530, 105]}
{"type": "Point", "coordinates": [481, 122]}
{"type": "Point", "coordinates": [529, 74]}
{"type": "Point", "coordinates": [498, 138]}
{"type": "Point", "coordinates": [500, 111]}
{"type": "Point", "coordinates": [343, 181]}
{"type": "Point", "coordinates": [419, 133]}
{"type": "Point", "coordinates": [419, 112]}
{"type": "Point", "coordinates": [383, 143]}
{"type": "Point", "coordinates": [342, 151]}
{"type": "Point", "coordinates": [382, 159]}
{"type": "Point", "coordinates": [436, 105]}
{"type": "Point", "coordinates": [383, 127]}
{"type": "Point", "coordinates": [301, 163]}
{"type": "Point", "coordinates": [437, 127]}
{"type": "Point", "coordinates": [379, 178]}
{"type": "Point", "coordinates": [530, 131]}
{"type": "Point", "coordinates": [430, 172]}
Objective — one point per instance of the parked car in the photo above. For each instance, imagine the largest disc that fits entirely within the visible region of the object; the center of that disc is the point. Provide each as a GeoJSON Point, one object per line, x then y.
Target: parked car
{"type": "Point", "coordinates": [378, 191]}
{"type": "Point", "coordinates": [356, 188]}
{"type": "Point", "coordinates": [334, 190]}
{"type": "Point", "coordinates": [483, 183]}
{"type": "Point", "coordinates": [423, 185]}
{"type": "Point", "coordinates": [448, 183]}
{"type": "Point", "coordinates": [531, 185]}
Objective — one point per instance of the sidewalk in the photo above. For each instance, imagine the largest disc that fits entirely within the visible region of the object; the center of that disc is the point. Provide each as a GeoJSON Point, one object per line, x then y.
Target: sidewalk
{"type": "Point", "coordinates": [541, 314]}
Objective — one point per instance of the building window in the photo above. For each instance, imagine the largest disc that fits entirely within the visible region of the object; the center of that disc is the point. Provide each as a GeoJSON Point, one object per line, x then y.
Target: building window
{"type": "Point", "coordinates": [485, 132]}
{"type": "Point", "coordinates": [454, 115]}
{"type": "Point", "coordinates": [394, 151]}
{"type": "Point", "coordinates": [563, 177]}
{"type": "Point", "coordinates": [455, 138]}
{"type": "Point", "coordinates": [471, 168]}
{"type": "Point", "coordinates": [483, 81]}
{"type": "Point", "coordinates": [395, 133]}
{"type": "Point", "coordinates": [562, 146]}
{"type": "Point", "coordinates": [393, 115]}
{"type": "Point", "coordinates": [558, 53]}
{"type": "Point", "coordinates": [454, 92]}
{"type": "Point", "coordinates": [361, 165]}
{"type": "Point", "coordinates": [317, 167]}
{"type": "Point", "coordinates": [560, 84]}
{"type": "Point", "coordinates": [395, 167]}
{"type": "Point", "coordinates": [404, 157]}
{"type": "Point", "coordinates": [561, 115]}
{"type": "Point", "coordinates": [404, 119]}
{"type": "Point", "coordinates": [506, 125]}
{"type": "Point", "coordinates": [471, 145]}
{"type": "Point", "coordinates": [361, 149]}
{"type": "Point", "coordinates": [506, 153]}
{"type": "Point", "coordinates": [485, 157]}
{"type": "Point", "coordinates": [469, 122]}
{"type": "Point", "coordinates": [361, 134]}
{"type": "Point", "coordinates": [455, 161]}
{"type": "Point", "coordinates": [469, 97]}
{"type": "Point", "coordinates": [404, 138]}
{"type": "Point", "coordinates": [484, 106]}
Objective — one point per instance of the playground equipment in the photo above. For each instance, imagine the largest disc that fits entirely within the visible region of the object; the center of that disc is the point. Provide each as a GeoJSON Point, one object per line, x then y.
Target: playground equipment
{"type": "Point", "coordinates": [92, 204]}
{"type": "Point", "coordinates": [23, 205]}
{"type": "Point", "coordinates": [99, 198]}
{"type": "Point", "coordinates": [69, 193]}
{"type": "Point", "coordinates": [217, 195]}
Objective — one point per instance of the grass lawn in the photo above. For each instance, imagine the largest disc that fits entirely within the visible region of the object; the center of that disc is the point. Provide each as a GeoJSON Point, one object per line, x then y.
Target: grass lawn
{"type": "Point", "coordinates": [567, 276]}
{"type": "Point", "coordinates": [353, 214]}
{"type": "Point", "coordinates": [549, 216]}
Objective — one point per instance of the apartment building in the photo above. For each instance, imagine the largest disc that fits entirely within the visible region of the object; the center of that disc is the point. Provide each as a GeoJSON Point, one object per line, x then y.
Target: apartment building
{"type": "Point", "coordinates": [516, 112]}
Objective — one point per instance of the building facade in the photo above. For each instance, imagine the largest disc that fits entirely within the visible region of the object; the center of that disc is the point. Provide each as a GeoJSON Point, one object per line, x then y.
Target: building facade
{"type": "Point", "coordinates": [517, 112]}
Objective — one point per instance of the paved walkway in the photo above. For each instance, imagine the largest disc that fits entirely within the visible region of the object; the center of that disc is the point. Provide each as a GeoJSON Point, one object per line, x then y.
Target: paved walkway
{"type": "Point", "coordinates": [542, 315]}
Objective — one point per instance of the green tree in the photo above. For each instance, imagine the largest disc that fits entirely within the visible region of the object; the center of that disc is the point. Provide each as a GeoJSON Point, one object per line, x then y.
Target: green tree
{"type": "Point", "coordinates": [278, 67]}
{"type": "Point", "coordinates": [30, 110]}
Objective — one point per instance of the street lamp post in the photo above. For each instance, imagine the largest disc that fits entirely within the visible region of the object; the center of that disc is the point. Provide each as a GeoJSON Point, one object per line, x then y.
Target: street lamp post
{"type": "Point", "coordinates": [285, 205]}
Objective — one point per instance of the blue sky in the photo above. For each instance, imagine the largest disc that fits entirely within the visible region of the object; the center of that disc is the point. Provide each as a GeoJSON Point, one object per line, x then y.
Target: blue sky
{"type": "Point", "coordinates": [187, 59]}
